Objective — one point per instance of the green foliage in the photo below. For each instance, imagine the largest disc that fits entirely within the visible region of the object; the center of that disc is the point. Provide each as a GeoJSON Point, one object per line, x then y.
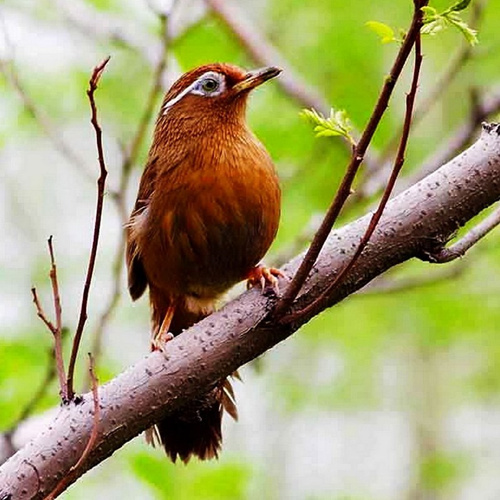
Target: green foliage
{"type": "Point", "coordinates": [211, 481]}
{"type": "Point", "coordinates": [191, 47]}
{"type": "Point", "coordinates": [22, 367]}
{"type": "Point", "coordinates": [336, 125]}
{"type": "Point", "coordinates": [384, 31]}
{"type": "Point", "coordinates": [435, 22]}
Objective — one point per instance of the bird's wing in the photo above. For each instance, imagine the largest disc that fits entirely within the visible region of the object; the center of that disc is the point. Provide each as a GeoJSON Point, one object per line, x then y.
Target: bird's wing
{"type": "Point", "coordinates": [137, 279]}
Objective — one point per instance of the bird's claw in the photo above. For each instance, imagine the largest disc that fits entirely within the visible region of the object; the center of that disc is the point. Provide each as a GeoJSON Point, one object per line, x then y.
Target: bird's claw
{"type": "Point", "coordinates": [265, 276]}
{"type": "Point", "coordinates": [159, 342]}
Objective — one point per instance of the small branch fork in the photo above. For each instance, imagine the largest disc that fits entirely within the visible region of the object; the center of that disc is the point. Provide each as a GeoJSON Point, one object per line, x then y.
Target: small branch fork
{"type": "Point", "coordinates": [57, 328]}
{"type": "Point", "coordinates": [459, 248]}
{"type": "Point", "coordinates": [101, 182]}
{"type": "Point", "coordinates": [345, 188]}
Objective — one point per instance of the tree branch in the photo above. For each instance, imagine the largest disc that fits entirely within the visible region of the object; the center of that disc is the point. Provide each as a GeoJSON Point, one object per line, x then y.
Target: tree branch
{"type": "Point", "coordinates": [159, 384]}
{"type": "Point", "coordinates": [458, 249]}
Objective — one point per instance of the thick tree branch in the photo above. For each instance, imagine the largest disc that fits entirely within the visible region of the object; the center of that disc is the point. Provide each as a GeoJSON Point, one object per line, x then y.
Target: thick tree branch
{"type": "Point", "coordinates": [414, 222]}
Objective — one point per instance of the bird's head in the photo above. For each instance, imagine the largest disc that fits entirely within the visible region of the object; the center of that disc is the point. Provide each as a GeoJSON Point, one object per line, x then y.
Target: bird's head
{"type": "Point", "coordinates": [214, 91]}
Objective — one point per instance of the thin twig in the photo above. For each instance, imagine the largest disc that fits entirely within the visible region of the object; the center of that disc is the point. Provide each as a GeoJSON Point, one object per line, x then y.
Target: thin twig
{"type": "Point", "coordinates": [101, 182]}
{"type": "Point", "coordinates": [463, 55]}
{"type": "Point", "coordinates": [68, 478]}
{"type": "Point", "coordinates": [57, 346]}
{"type": "Point", "coordinates": [129, 159]}
{"type": "Point", "coordinates": [58, 351]}
{"type": "Point", "coordinates": [385, 286]}
{"type": "Point", "coordinates": [398, 165]}
{"type": "Point", "coordinates": [40, 312]}
{"type": "Point", "coordinates": [345, 187]}
{"type": "Point", "coordinates": [459, 248]}
{"type": "Point", "coordinates": [57, 330]}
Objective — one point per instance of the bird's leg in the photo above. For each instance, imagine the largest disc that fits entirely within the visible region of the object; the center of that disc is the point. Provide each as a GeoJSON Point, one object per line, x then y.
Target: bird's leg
{"type": "Point", "coordinates": [264, 276]}
{"type": "Point", "coordinates": [162, 335]}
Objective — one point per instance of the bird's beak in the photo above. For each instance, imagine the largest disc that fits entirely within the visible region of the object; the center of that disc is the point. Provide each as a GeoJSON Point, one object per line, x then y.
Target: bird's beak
{"type": "Point", "coordinates": [255, 78]}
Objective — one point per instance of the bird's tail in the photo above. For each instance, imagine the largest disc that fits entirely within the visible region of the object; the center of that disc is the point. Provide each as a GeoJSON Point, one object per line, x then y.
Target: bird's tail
{"type": "Point", "coordinates": [195, 429]}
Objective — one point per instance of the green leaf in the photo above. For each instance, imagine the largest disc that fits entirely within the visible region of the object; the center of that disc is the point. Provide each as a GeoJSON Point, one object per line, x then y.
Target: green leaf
{"type": "Point", "coordinates": [337, 124]}
{"type": "Point", "coordinates": [385, 32]}
{"type": "Point", "coordinates": [469, 33]}
{"type": "Point", "coordinates": [434, 22]}
{"type": "Point", "coordinates": [460, 5]}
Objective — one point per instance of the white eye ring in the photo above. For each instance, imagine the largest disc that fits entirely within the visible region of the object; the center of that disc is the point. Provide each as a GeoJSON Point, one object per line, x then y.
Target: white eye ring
{"type": "Point", "coordinates": [198, 87]}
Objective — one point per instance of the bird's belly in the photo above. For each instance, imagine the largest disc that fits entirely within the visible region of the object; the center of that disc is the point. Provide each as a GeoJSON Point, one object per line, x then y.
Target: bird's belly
{"type": "Point", "coordinates": [211, 241]}
{"type": "Point", "coordinates": [218, 252]}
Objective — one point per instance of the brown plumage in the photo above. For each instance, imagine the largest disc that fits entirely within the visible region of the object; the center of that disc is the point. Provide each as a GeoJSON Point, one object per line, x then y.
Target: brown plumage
{"type": "Point", "coordinates": [207, 210]}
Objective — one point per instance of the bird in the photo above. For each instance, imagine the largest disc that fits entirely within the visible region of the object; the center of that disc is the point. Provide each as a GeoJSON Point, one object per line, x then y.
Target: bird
{"type": "Point", "coordinates": [207, 210]}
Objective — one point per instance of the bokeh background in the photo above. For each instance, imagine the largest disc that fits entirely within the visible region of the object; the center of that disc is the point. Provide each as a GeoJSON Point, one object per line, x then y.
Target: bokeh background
{"type": "Point", "coordinates": [392, 394]}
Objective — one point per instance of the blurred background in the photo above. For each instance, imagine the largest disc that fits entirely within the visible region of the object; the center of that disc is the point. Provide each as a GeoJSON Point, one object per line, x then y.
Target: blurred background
{"type": "Point", "coordinates": [392, 394]}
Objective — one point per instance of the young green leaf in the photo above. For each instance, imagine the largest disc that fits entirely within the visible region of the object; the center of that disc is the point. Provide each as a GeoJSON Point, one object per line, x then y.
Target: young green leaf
{"type": "Point", "coordinates": [385, 32]}
{"type": "Point", "coordinates": [434, 21]}
{"type": "Point", "coordinates": [337, 123]}
{"type": "Point", "coordinates": [460, 5]}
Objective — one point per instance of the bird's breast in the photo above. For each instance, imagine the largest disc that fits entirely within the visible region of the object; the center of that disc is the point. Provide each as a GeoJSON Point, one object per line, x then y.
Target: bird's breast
{"type": "Point", "coordinates": [215, 216]}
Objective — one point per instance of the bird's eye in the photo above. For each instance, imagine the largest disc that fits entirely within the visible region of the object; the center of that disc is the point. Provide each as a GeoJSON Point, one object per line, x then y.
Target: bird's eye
{"type": "Point", "coordinates": [209, 85]}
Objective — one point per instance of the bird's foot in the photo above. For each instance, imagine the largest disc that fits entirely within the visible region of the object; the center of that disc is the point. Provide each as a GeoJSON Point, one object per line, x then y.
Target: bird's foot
{"type": "Point", "coordinates": [162, 335]}
{"type": "Point", "coordinates": [265, 276]}
{"type": "Point", "coordinates": [159, 342]}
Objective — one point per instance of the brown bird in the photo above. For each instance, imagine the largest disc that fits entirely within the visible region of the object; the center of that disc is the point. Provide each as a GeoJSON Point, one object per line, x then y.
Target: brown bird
{"type": "Point", "coordinates": [207, 210]}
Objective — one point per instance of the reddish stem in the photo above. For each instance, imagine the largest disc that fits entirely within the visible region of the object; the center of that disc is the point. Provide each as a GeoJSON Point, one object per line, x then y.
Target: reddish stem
{"type": "Point", "coordinates": [398, 165]}
{"type": "Point", "coordinates": [357, 157]}
{"type": "Point", "coordinates": [101, 182]}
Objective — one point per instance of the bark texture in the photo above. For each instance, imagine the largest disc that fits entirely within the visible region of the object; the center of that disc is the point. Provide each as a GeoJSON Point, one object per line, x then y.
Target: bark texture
{"type": "Point", "coordinates": [417, 221]}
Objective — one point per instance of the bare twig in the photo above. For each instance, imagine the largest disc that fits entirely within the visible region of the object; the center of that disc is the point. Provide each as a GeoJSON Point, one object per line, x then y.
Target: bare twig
{"type": "Point", "coordinates": [398, 165]}
{"type": "Point", "coordinates": [459, 248]}
{"type": "Point", "coordinates": [384, 285]}
{"type": "Point", "coordinates": [40, 312]}
{"type": "Point", "coordinates": [345, 187]}
{"type": "Point", "coordinates": [58, 353]}
{"type": "Point", "coordinates": [57, 328]}
{"type": "Point", "coordinates": [119, 197]}
{"type": "Point", "coordinates": [101, 182]}
{"type": "Point", "coordinates": [68, 478]}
